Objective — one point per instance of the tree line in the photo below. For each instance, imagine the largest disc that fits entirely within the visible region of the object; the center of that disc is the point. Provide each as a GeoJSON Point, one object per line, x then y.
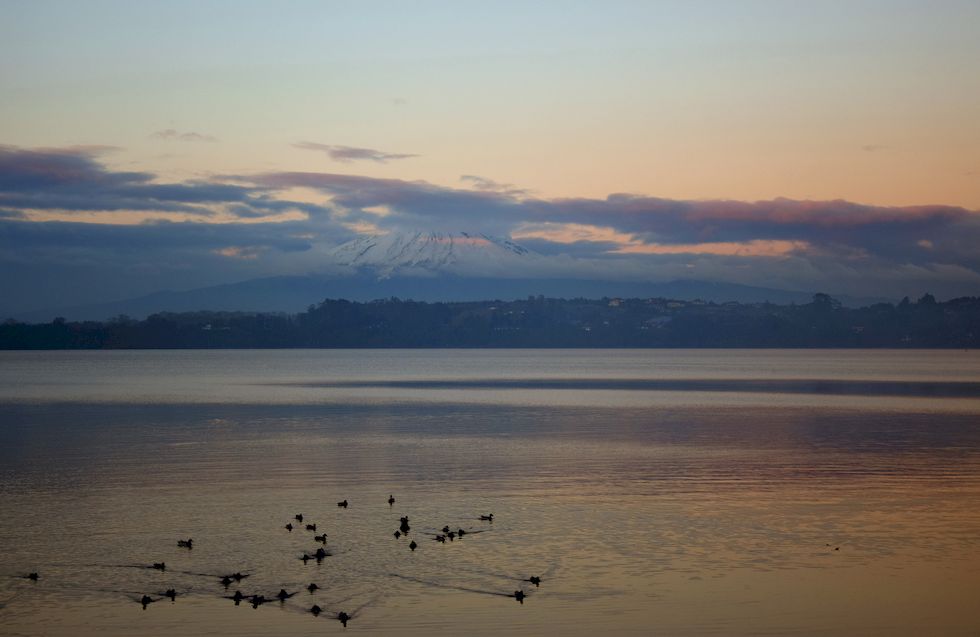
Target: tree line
{"type": "Point", "coordinates": [532, 322]}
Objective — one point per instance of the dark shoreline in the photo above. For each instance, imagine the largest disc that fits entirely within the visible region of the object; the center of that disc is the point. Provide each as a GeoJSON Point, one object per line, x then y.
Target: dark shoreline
{"type": "Point", "coordinates": [533, 323]}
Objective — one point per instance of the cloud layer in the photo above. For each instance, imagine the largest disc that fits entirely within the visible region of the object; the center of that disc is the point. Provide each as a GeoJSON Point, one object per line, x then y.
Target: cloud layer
{"type": "Point", "coordinates": [238, 226]}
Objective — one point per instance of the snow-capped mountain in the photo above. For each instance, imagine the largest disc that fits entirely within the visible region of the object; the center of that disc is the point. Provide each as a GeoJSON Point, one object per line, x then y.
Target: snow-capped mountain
{"type": "Point", "coordinates": [434, 252]}
{"type": "Point", "coordinates": [425, 266]}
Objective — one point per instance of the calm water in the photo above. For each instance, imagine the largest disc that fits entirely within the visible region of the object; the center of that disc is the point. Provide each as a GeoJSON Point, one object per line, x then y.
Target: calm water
{"type": "Point", "coordinates": [655, 492]}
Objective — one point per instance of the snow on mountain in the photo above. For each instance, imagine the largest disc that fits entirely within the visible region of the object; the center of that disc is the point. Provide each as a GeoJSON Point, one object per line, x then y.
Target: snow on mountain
{"type": "Point", "coordinates": [434, 252]}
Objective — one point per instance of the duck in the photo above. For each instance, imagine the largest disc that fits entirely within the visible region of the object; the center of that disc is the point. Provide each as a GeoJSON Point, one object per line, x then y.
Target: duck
{"type": "Point", "coordinates": [445, 529]}
{"type": "Point", "coordinates": [282, 595]}
{"type": "Point", "coordinates": [316, 610]}
{"type": "Point", "coordinates": [187, 544]}
{"type": "Point", "coordinates": [519, 596]}
{"type": "Point", "coordinates": [312, 587]}
{"type": "Point", "coordinates": [343, 618]}
{"type": "Point", "coordinates": [33, 576]}
{"type": "Point", "coordinates": [311, 527]}
{"type": "Point", "coordinates": [488, 518]}
{"type": "Point", "coordinates": [342, 503]}
{"type": "Point", "coordinates": [451, 535]}
{"type": "Point", "coordinates": [298, 517]}
{"type": "Point", "coordinates": [321, 538]}
{"type": "Point", "coordinates": [258, 600]}
{"type": "Point", "coordinates": [306, 558]}
{"type": "Point", "coordinates": [171, 593]}
{"type": "Point", "coordinates": [289, 527]}
{"type": "Point", "coordinates": [145, 600]}
{"type": "Point", "coordinates": [320, 554]}
{"type": "Point", "coordinates": [237, 597]}
{"type": "Point", "coordinates": [440, 538]}
{"type": "Point", "coordinates": [460, 532]}
{"type": "Point", "coordinates": [534, 579]}
{"type": "Point", "coordinates": [413, 545]}
{"type": "Point", "coordinates": [391, 500]}
{"type": "Point", "coordinates": [160, 566]}
{"type": "Point", "coordinates": [226, 581]}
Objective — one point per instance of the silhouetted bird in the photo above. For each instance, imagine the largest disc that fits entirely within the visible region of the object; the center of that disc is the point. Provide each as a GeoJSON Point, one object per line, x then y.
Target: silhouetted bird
{"type": "Point", "coordinates": [398, 534]}
{"type": "Point", "coordinates": [160, 566]}
{"type": "Point", "coordinates": [32, 576]}
{"type": "Point", "coordinates": [321, 538]}
{"type": "Point", "coordinates": [343, 617]}
{"type": "Point", "coordinates": [258, 600]}
{"type": "Point", "coordinates": [283, 595]}
{"type": "Point", "coordinates": [289, 527]}
{"type": "Point", "coordinates": [311, 527]}
{"type": "Point", "coordinates": [461, 532]}
{"type": "Point", "coordinates": [391, 500]}
{"type": "Point", "coordinates": [534, 579]}
{"type": "Point", "coordinates": [440, 538]}
{"type": "Point", "coordinates": [451, 535]}
{"type": "Point", "coordinates": [237, 597]}
{"type": "Point", "coordinates": [320, 554]}
{"type": "Point", "coordinates": [342, 503]}
{"type": "Point", "coordinates": [445, 529]}
{"type": "Point", "coordinates": [488, 518]}
{"type": "Point", "coordinates": [187, 544]}
{"type": "Point", "coordinates": [238, 576]}
{"type": "Point", "coordinates": [171, 593]}
{"type": "Point", "coordinates": [413, 545]}
{"type": "Point", "coordinates": [316, 610]}
{"type": "Point", "coordinates": [404, 526]}
{"type": "Point", "coordinates": [519, 596]}
{"type": "Point", "coordinates": [306, 558]}
{"type": "Point", "coordinates": [312, 587]}
{"type": "Point", "coordinates": [146, 599]}
{"type": "Point", "coordinates": [298, 517]}
{"type": "Point", "coordinates": [226, 581]}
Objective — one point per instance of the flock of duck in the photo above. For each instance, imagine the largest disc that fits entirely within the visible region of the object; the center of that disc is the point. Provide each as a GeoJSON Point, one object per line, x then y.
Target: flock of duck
{"type": "Point", "coordinates": [256, 600]}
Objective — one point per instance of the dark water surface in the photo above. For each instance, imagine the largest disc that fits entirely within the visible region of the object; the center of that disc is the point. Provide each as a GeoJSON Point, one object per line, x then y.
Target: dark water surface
{"type": "Point", "coordinates": [655, 492]}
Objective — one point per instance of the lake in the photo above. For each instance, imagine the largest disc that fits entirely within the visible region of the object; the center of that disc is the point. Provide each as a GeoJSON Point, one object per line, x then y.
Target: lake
{"type": "Point", "coordinates": [675, 492]}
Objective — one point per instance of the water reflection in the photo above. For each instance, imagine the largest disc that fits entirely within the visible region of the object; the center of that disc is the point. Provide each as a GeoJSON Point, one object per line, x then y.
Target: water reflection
{"type": "Point", "coordinates": [678, 518]}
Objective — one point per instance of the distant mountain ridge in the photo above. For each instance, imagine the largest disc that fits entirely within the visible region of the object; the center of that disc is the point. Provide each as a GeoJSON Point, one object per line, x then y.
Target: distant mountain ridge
{"type": "Point", "coordinates": [423, 266]}
{"type": "Point", "coordinates": [295, 293]}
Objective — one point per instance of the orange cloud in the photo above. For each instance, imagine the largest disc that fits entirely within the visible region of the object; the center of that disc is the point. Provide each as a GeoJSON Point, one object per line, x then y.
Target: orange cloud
{"type": "Point", "coordinates": [239, 252]}
{"type": "Point", "coordinates": [755, 248]}
{"type": "Point", "coordinates": [570, 233]}
{"type": "Point", "coordinates": [629, 244]}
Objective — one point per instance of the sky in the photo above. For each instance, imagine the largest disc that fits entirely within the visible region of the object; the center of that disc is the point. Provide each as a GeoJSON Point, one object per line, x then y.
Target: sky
{"type": "Point", "coordinates": [830, 146]}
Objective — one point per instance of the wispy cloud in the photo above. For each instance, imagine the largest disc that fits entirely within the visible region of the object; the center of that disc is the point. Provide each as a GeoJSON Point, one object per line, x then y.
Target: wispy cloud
{"type": "Point", "coordinates": [170, 134]}
{"type": "Point", "coordinates": [349, 154]}
{"type": "Point", "coordinates": [489, 185]}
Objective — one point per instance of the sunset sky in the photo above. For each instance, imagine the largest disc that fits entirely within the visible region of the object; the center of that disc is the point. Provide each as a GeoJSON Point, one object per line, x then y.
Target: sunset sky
{"type": "Point", "coordinates": [827, 146]}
